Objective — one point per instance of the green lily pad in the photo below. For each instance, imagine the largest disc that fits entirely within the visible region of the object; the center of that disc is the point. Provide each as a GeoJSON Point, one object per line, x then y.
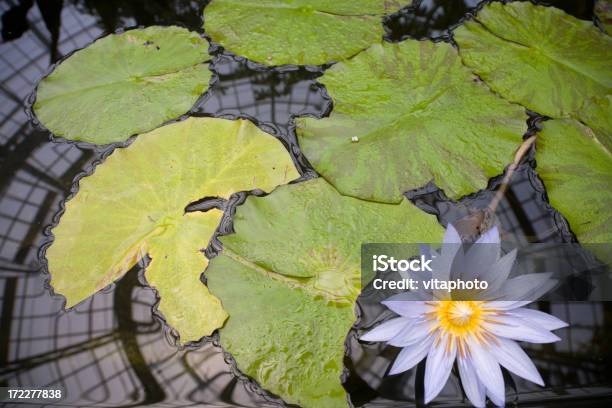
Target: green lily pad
{"type": "Point", "coordinates": [597, 113]}
{"type": "Point", "coordinates": [302, 32]}
{"type": "Point", "coordinates": [289, 278]}
{"type": "Point", "coordinates": [544, 59]}
{"type": "Point", "coordinates": [134, 205]}
{"type": "Point", "coordinates": [405, 114]}
{"type": "Point", "coordinates": [124, 84]}
{"type": "Point", "coordinates": [577, 172]}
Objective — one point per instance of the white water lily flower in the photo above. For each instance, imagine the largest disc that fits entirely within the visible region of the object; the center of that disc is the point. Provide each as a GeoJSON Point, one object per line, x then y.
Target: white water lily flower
{"type": "Point", "coordinates": [481, 333]}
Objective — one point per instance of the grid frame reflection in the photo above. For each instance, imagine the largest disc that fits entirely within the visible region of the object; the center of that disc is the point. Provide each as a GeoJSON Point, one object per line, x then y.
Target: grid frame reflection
{"type": "Point", "coordinates": [86, 350]}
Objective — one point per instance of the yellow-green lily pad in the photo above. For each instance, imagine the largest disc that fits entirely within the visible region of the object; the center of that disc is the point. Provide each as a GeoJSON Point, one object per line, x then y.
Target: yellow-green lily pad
{"type": "Point", "coordinates": [134, 205]}
{"type": "Point", "coordinates": [124, 84]}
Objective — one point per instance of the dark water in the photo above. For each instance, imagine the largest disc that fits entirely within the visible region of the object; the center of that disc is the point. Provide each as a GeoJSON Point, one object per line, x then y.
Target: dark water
{"type": "Point", "coordinates": [111, 350]}
{"type": "Point", "coordinates": [433, 18]}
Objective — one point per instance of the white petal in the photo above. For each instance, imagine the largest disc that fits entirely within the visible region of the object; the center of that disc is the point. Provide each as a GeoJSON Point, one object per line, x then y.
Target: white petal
{"type": "Point", "coordinates": [488, 371]}
{"type": "Point", "coordinates": [480, 257]}
{"type": "Point", "coordinates": [441, 266]}
{"type": "Point", "coordinates": [479, 260]}
{"type": "Point", "coordinates": [513, 327]}
{"type": "Point", "coordinates": [511, 355]}
{"type": "Point", "coordinates": [542, 290]}
{"type": "Point", "coordinates": [410, 356]}
{"type": "Point", "coordinates": [449, 249]}
{"type": "Point", "coordinates": [451, 236]}
{"type": "Point", "coordinates": [506, 304]}
{"type": "Point", "coordinates": [438, 367]}
{"type": "Point", "coordinates": [410, 296]}
{"type": "Point", "coordinates": [497, 400]}
{"type": "Point", "coordinates": [525, 287]}
{"type": "Point", "coordinates": [537, 318]}
{"type": "Point", "coordinates": [387, 330]}
{"type": "Point", "coordinates": [413, 333]}
{"type": "Point", "coordinates": [474, 389]}
{"type": "Point", "coordinates": [489, 237]}
{"type": "Point", "coordinates": [498, 273]}
{"type": "Point", "coordinates": [407, 308]}
{"type": "Point", "coordinates": [428, 251]}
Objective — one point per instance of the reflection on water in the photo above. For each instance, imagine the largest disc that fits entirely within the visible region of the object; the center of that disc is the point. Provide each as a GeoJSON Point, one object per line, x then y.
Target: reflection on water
{"type": "Point", "coordinates": [523, 213]}
{"type": "Point", "coordinates": [270, 98]}
{"type": "Point", "coordinates": [433, 18]}
{"type": "Point", "coordinates": [110, 349]}
{"type": "Point", "coordinates": [427, 18]}
{"type": "Point", "coordinates": [112, 14]}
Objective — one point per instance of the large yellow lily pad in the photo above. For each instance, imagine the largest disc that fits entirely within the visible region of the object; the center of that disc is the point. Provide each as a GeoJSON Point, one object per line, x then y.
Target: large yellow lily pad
{"type": "Point", "coordinates": [134, 204]}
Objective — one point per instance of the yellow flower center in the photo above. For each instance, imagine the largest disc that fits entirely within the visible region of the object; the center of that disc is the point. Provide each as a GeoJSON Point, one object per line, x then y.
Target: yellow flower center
{"type": "Point", "coordinates": [460, 318]}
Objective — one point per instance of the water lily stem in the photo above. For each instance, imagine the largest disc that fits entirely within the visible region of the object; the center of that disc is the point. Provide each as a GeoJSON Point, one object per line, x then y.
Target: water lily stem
{"type": "Point", "coordinates": [518, 156]}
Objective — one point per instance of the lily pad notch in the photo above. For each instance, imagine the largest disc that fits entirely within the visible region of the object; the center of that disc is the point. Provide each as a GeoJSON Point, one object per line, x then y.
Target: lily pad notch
{"type": "Point", "coordinates": [133, 205]}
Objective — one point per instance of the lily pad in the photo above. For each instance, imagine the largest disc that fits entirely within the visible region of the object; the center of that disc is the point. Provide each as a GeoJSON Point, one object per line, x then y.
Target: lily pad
{"type": "Point", "coordinates": [577, 172]}
{"type": "Point", "coordinates": [544, 59]}
{"type": "Point", "coordinates": [405, 114]}
{"type": "Point", "coordinates": [124, 84]}
{"type": "Point", "coordinates": [302, 32]}
{"type": "Point", "coordinates": [134, 205]}
{"type": "Point", "coordinates": [597, 113]}
{"type": "Point", "coordinates": [289, 278]}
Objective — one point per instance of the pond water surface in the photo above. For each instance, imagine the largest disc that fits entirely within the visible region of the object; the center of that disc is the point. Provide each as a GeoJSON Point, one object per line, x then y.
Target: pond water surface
{"type": "Point", "coordinates": [110, 350]}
